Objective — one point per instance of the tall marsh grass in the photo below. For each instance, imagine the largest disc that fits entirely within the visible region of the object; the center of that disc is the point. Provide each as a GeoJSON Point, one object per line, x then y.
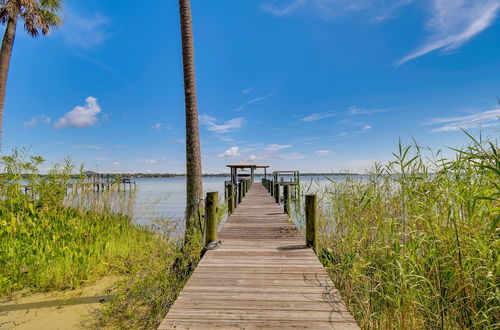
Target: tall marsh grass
{"type": "Point", "coordinates": [416, 243]}
{"type": "Point", "coordinates": [54, 236]}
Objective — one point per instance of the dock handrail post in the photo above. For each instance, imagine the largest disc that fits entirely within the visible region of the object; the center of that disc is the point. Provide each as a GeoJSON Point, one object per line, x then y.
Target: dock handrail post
{"type": "Point", "coordinates": [240, 192]}
{"type": "Point", "coordinates": [271, 187]}
{"type": "Point", "coordinates": [230, 198]}
{"type": "Point", "coordinates": [311, 221]}
{"type": "Point", "coordinates": [286, 199]}
{"type": "Point", "coordinates": [277, 192]}
{"type": "Point", "coordinates": [211, 202]}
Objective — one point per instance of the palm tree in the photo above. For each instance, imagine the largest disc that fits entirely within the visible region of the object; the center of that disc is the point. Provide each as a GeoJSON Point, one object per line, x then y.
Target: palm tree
{"type": "Point", "coordinates": [194, 188]}
{"type": "Point", "coordinates": [39, 16]}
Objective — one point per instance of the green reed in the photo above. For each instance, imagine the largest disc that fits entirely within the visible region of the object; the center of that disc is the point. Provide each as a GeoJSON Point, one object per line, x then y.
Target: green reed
{"type": "Point", "coordinates": [56, 232]}
{"type": "Point", "coordinates": [415, 244]}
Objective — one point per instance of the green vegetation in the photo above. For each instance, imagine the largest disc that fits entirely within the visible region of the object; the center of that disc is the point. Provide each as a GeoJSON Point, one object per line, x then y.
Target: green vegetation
{"type": "Point", "coordinates": [57, 233]}
{"type": "Point", "coordinates": [416, 244]}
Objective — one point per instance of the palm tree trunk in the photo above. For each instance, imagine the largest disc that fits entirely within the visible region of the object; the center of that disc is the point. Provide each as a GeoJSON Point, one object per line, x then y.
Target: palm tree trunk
{"type": "Point", "coordinates": [194, 189]}
{"type": "Point", "coordinates": [5, 52]}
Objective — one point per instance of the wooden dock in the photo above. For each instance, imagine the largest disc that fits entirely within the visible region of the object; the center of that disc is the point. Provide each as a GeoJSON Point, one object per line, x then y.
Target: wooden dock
{"type": "Point", "coordinates": [262, 277]}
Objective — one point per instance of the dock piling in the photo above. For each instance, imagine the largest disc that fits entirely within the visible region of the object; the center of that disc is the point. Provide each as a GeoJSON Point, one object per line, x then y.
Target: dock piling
{"type": "Point", "coordinates": [230, 198]}
{"type": "Point", "coordinates": [286, 199]}
{"type": "Point", "coordinates": [311, 221]}
{"type": "Point", "coordinates": [211, 201]}
{"type": "Point", "coordinates": [240, 192]}
{"type": "Point", "coordinates": [277, 192]}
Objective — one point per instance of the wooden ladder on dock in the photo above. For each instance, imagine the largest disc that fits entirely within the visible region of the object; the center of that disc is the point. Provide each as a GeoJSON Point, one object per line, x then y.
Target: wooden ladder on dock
{"type": "Point", "coordinates": [262, 277]}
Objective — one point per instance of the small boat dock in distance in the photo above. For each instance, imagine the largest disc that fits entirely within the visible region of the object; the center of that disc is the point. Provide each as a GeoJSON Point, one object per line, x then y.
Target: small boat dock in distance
{"type": "Point", "coordinates": [263, 276]}
{"type": "Point", "coordinates": [103, 181]}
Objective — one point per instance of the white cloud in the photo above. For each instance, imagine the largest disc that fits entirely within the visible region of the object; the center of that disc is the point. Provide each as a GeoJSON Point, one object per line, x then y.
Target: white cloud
{"type": "Point", "coordinates": [147, 161]}
{"type": "Point", "coordinates": [451, 23]}
{"type": "Point", "coordinates": [85, 32]}
{"type": "Point", "coordinates": [38, 120]}
{"type": "Point", "coordinates": [366, 127]}
{"type": "Point", "coordinates": [160, 126]}
{"type": "Point", "coordinates": [247, 90]}
{"type": "Point", "coordinates": [318, 116]}
{"type": "Point", "coordinates": [484, 119]}
{"type": "Point", "coordinates": [81, 116]}
{"type": "Point", "coordinates": [277, 147]}
{"type": "Point", "coordinates": [323, 152]}
{"type": "Point", "coordinates": [454, 22]}
{"type": "Point", "coordinates": [357, 111]}
{"type": "Point", "coordinates": [378, 10]}
{"type": "Point", "coordinates": [283, 9]}
{"type": "Point", "coordinates": [226, 127]}
{"type": "Point", "coordinates": [231, 152]}
{"type": "Point", "coordinates": [255, 100]}
{"type": "Point", "coordinates": [291, 156]}
{"type": "Point", "coordinates": [116, 163]}
{"type": "Point", "coordinates": [87, 147]}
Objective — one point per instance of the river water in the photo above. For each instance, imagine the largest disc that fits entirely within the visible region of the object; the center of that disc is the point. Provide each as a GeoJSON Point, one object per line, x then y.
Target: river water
{"type": "Point", "coordinates": [165, 198]}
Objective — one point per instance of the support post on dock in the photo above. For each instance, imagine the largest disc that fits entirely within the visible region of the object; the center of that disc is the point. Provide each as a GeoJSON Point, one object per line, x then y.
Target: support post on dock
{"type": "Point", "coordinates": [211, 201]}
{"type": "Point", "coordinates": [277, 192]}
{"type": "Point", "coordinates": [271, 187]}
{"type": "Point", "coordinates": [230, 198]}
{"type": "Point", "coordinates": [286, 199]}
{"type": "Point", "coordinates": [240, 192]}
{"type": "Point", "coordinates": [311, 221]}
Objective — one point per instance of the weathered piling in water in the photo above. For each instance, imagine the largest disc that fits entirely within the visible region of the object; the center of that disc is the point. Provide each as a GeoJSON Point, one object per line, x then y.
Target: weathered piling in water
{"type": "Point", "coordinates": [211, 201]}
{"type": "Point", "coordinates": [286, 199]}
{"type": "Point", "coordinates": [311, 221]}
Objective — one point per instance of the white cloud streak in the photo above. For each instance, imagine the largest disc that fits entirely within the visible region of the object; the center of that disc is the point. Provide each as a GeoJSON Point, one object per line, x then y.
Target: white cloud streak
{"type": "Point", "coordinates": [226, 127]}
{"type": "Point", "coordinates": [255, 100]}
{"type": "Point", "coordinates": [318, 116]}
{"type": "Point", "coordinates": [81, 116]}
{"type": "Point", "coordinates": [453, 23]}
{"type": "Point", "coordinates": [160, 126]}
{"type": "Point", "coordinates": [87, 147]}
{"type": "Point", "coordinates": [323, 152]}
{"type": "Point", "coordinates": [481, 119]}
{"type": "Point", "coordinates": [85, 32]}
{"type": "Point", "coordinates": [277, 147]}
{"type": "Point", "coordinates": [247, 90]}
{"type": "Point", "coordinates": [38, 120]}
{"type": "Point", "coordinates": [378, 10]}
{"type": "Point", "coordinates": [357, 111]}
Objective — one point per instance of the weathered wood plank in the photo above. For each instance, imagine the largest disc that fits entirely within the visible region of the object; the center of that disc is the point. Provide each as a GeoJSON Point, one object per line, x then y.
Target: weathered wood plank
{"type": "Point", "coordinates": [262, 277]}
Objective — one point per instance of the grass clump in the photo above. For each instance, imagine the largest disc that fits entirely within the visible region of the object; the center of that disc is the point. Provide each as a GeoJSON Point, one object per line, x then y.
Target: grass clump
{"type": "Point", "coordinates": [56, 236]}
{"type": "Point", "coordinates": [415, 244]}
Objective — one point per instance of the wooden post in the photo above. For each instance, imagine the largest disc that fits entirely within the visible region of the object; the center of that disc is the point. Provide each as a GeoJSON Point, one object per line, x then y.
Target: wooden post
{"type": "Point", "coordinates": [277, 192]}
{"type": "Point", "coordinates": [286, 199]}
{"type": "Point", "coordinates": [230, 199]}
{"type": "Point", "coordinates": [240, 192]}
{"type": "Point", "coordinates": [311, 220]}
{"type": "Point", "coordinates": [211, 201]}
{"type": "Point", "coordinates": [271, 187]}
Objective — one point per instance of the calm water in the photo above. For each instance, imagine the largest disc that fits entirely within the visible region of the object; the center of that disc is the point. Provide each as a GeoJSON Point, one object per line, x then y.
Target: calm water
{"type": "Point", "coordinates": [165, 198]}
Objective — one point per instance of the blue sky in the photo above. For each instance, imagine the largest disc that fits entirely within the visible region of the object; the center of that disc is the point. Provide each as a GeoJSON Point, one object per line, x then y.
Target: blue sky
{"type": "Point", "coordinates": [313, 85]}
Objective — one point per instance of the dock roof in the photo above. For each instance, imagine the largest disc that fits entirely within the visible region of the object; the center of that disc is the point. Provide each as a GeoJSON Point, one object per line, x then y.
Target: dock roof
{"type": "Point", "coordinates": [247, 165]}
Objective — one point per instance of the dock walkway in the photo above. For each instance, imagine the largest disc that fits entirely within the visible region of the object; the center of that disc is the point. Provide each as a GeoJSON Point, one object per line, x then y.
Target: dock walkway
{"type": "Point", "coordinates": [261, 277]}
